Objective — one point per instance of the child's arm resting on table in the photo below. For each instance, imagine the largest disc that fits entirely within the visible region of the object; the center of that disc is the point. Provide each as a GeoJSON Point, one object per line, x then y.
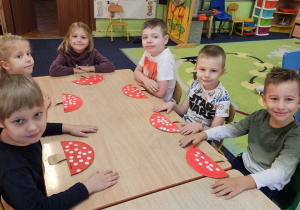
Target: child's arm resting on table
{"type": "Point", "coordinates": [144, 81]}
{"type": "Point", "coordinates": [79, 130]}
{"type": "Point", "coordinates": [194, 138]}
{"type": "Point", "coordinates": [58, 67]}
{"type": "Point", "coordinates": [231, 187]}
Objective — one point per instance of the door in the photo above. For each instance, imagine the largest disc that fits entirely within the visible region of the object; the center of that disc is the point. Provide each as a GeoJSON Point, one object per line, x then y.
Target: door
{"type": "Point", "coordinates": [70, 11]}
{"type": "Point", "coordinates": [20, 16]}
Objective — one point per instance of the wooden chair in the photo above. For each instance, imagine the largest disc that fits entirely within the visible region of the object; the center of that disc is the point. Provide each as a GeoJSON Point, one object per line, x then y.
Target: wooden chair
{"type": "Point", "coordinates": [117, 9]}
{"type": "Point", "coordinates": [289, 196]}
{"type": "Point", "coordinates": [177, 92]}
{"type": "Point", "coordinates": [228, 119]}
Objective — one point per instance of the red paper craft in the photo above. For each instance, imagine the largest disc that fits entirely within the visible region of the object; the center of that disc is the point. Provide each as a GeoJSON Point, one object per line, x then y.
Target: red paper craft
{"type": "Point", "coordinates": [163, 123]}
{"type": "Point", "coordinates": [71, 102]}
{"type": "Point", "coordinates": [79, 155]}
{"type": "Point", "coordinates": [203, 164]}
{"type": "Point", "coordinates": [90, 80]}
{"type": "Point", "coordinates": [133, 92]}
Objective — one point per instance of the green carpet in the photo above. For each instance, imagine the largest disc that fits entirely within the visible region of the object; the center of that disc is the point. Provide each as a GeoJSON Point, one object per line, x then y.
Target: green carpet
{"type": "Point", "coordinates": [247, 64]}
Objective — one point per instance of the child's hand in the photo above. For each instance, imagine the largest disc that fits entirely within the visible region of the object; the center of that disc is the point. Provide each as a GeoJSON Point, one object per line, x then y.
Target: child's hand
{"type": "Point", "coordinates": [231, 187]}
{"type": "Point", "coordinates": [190, 128]}
{"type": "Point", "coordinates": [79, 130]}
{"type": "Point", "coordinates": [47, 100]}
{"type": "Point", "coordinates": [151, 85]}
{"type": "Point", "coordinates": [86, 68]}
{"type": "Point", "coordinates": [166, 106]}
{"type": "Point", "coordinates": [194, 138]}
{"type": "Point", "coordinates": [100, 181]}
{"type": "Point", "coordinates": [78, 71]}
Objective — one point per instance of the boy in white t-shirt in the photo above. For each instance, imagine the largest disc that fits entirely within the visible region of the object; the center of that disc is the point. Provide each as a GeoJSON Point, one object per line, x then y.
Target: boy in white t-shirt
{"type": "Point", "coordinates": [155, 71]}
{"type": "Point", "coordinates": [207, 102]}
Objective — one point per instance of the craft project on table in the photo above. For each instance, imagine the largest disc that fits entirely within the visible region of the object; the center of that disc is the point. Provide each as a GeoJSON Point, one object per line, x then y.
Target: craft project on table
{"type": "Point", "coordinates": [133, 92]}
{"type": "Point", "coordinates": [203, 164]}
{"type": "Point", "coordinates": [163, 123]}
{"type": "Point", "coordinates": [90, 80]}
{"type": "Point", "coordinates": [71, 102]}
{"type": "Point", "coordinates": [79, 156]}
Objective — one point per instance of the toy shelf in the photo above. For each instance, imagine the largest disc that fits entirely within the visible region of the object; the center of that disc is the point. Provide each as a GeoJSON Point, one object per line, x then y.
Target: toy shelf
{"type": "Point", "coordinates": [283, 22]}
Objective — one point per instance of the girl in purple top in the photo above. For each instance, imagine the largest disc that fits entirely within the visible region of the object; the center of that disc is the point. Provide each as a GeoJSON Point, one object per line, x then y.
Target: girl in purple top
{"type": "Point", "coordinates": [78, 55]}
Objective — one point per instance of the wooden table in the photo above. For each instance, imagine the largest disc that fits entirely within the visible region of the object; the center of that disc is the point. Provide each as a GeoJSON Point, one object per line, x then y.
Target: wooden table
{"type": "Point", "coordinates": [196, 195]}
{"type": "Point", "coordinates": [147, 159]}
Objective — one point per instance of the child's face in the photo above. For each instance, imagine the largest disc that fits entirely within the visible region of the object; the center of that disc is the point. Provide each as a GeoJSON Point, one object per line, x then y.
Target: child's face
{"type": "Point", "coordinates": [79, 40]}
{"type": "Point", "coordinates": [153, 40]}
{"type": "Point", "coordinates": [20, 60]}
{"type": "Point", "coordinates": [24, 127]}
{"type": "Point", "coordinates": [282, 101]}
{"type": "Point", "coordinates": [209, 69]}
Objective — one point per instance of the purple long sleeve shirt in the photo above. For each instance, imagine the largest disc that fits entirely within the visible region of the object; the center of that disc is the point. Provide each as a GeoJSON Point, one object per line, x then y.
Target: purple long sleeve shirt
{"type": "Point", "coordinates": [65, 62]}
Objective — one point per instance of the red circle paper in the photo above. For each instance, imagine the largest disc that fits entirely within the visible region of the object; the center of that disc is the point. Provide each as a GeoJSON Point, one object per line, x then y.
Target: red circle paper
{"type": "Point", "coordinates": [71, 102]}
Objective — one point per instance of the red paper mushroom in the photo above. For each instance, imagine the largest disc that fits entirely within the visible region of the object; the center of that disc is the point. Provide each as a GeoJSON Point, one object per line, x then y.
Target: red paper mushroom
{"type": "Point", "coordinates": [90, 80]}
{"type": "Point", "coordinates": [163, 123]}
{"type": "Point", "coordinates": [203, 164]}
{"type": "Point", "coordinates": [79, 155]}
{"type": "Point", "coordinates": [133, 92]}
{"type": "Point", "coordinates": [71, 102]}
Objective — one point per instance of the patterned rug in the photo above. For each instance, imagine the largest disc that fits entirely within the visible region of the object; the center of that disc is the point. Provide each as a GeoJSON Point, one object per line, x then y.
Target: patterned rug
{"type": "Point", "coordinates": [247, 64]}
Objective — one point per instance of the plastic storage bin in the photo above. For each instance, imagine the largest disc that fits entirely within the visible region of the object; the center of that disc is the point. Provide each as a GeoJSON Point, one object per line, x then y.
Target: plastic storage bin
{"type": "Point", "coordinates": [268, 4]}
{"type": "Point", "coordinates": [263, 30]}
{"type": "Point", "coordinates": [267, 13]}
{"type": "Point", "coordinates": [265, 21]}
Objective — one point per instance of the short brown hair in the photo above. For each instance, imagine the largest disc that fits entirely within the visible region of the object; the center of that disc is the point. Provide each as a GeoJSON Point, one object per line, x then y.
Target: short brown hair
{"type": "Point", "coordinates": [18, 91]}
{"type": "Point", "coordinates": [279, 75]}
{"type": "Point", "coordinates": [152, 23]}
{"type": "Point", "coordinates": [7, 44]}
{"type": "Point", "coordinates": [65, 45]}
{"type": "Point", "coordinates": [213, 51]}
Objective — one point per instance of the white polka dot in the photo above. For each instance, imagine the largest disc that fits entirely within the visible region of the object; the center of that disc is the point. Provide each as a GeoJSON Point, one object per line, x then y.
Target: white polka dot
{"type": "Point", "coordinates": [205, 162]}
{"type": "Point", "coordinates": [71, 157]}
{"type": "Point", "coordinates": [207, 167]}
{"type": "Point", "coordinates": [211, 169]}
{"type": "Point", "coordinates": [217, 169]}
{"type": "Point", "coordinates": [202, 157]}
{"type": "Point", "coordinates": [196, 155]}
{"type": "Point", "coordinates": [78, 156]}
{"type": "Point", "coordinates": [75, 145]}
{"type": "Point", "coordinates": [76, 149]}
{"type": "Point", "coordinates": [197, 159]}
{"type": "Point", "coordinates": [88, 158]}
{"type": "Point", "coordinates": [71, 161]}
{"type": "Point", "coordinates": [153, 123]}
{"type": "Point", "coordinates": [78, 170]}
{"type": "Point", "coordinates": [84, 153]}
{"type": "Point", "coordinates": [86, 163]}
{"type": "Point", "coordinates": [71, 152]}
{"type": "Point", "coordinates": [67, 150]}
{"type": "Point", "coordinates": [83, 147]}
{"type": "Point", "coordinates": [211, 165]}
{"type": "Point", "coordinates": [75, 164]}
{"type": "Point", "coordinates": [80, 160]}
{"type": "Point", "coordinates": [67, 146]}
{"type": "Point", "coordinates": [200, 163]}
{"type": "Point", "coordinates": [70, 142]}
{"type": "Point", "coordinates": [79, 152]}
{"type": "Point", "coordinates": [90, 152]}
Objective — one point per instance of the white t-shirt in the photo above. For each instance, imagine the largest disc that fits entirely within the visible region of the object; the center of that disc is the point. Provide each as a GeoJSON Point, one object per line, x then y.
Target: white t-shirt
{"type": "Point", "coordinates": [160, 68]}
{"type": "Point", "coordinates": [204, 104]}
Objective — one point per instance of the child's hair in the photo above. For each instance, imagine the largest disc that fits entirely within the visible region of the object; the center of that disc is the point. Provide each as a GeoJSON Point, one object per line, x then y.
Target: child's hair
{"type": "Point", "coordinates": [279, 75]}
{"type": "Point", "coordinates": [152, 23]}
{"type": "Point", "coordinates": [65, 45]}
{"type": "Point", "coordinates": [213, 51]}
{"type": "Point", "coordinates": [7, 44]}
{"type": "Point", "coordinates": [18, 91]}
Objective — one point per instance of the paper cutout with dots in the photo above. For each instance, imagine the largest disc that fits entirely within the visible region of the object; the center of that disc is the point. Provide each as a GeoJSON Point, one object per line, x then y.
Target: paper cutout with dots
{"type": "Point", "coordinates": [90, 80]}
{"type": "Point", "coordinates": [133, 92]}
{"type": "Point", "coordinates": [203, 164]}
{"type": "Point", "coordinates": [71, 102]}
{"type": "Point", "coordinates": [163, 123]}
{"type": "Point", "coordinates": [79, 155]}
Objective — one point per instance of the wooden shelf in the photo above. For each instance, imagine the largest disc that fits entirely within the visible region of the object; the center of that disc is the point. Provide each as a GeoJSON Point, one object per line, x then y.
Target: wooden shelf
{"type": "Point", "coordinates": [285, 13]}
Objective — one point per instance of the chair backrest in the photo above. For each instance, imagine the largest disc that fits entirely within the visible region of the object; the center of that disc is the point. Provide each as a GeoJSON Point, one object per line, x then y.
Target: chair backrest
{"type": "Point", "coordinates": [115, 8]}
{"type": "Point", "coordinates": [177, 92]}
{"type": "Point", "coordinates": [291, 60]}
{"type": "Point", "coordinates": [289, 197]}
{"type": "Point", "coordinates": [229, 119]}
{"type": "Point", "coordinates": [232, 7]}
{"type": "Point", "coordinates": [218, 5]}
